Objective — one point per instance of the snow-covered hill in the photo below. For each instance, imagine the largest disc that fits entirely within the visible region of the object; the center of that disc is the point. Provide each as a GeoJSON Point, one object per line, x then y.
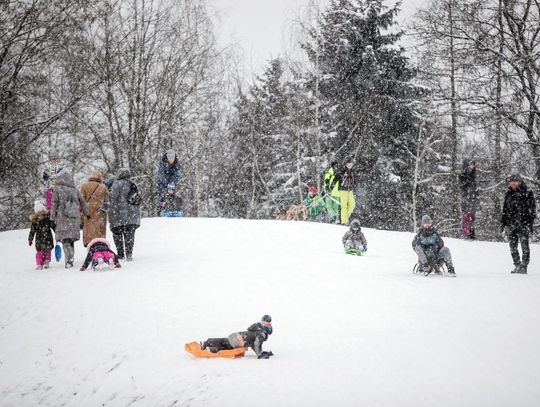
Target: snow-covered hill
{"type": "Point", "coordinates": [348, 331]}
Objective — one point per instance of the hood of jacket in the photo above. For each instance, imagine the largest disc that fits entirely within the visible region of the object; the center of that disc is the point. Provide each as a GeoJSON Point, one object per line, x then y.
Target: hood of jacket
{"type": "Point", "coordinates": [123, 173]}
{"type": "Point", "coordinates": [38, 216]}
{"type": "Point", "coordinates": [64, 178]}
{"type": "Point", "coordinates": [95, 176]}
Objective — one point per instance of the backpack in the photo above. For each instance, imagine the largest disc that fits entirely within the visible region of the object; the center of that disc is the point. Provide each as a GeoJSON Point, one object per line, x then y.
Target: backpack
{"type": "Point", "coordinates": [134, 198]}
{"type": "Point", "coordinates": [70, 208]}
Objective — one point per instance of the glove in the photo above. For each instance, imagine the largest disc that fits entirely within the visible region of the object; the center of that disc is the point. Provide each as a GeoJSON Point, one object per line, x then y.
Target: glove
{"type": "Point", "coordinates": [82, 269]}
{"type": "Point", "coordinates": [29, 243]}
{"type": "Point", "coordinates": [365, 247]}
{"type": "Point", "coordinates": [265, 355]}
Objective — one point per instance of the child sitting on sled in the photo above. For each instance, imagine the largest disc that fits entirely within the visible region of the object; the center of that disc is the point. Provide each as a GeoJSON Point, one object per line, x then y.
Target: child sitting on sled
{"type": "Point", "coordinates": [315, 205]}
{"type": "Point", "coordinates": [253, 338]}
{"type": "Point", "coordinates": [354, 241]}
{"type": "Point", "coordinates": [100, 255]}
{"type": "Point", "coordinates": [171, 203]}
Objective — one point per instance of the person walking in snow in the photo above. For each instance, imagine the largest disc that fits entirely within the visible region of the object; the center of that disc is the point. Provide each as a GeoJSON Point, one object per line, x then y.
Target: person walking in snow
{"type": "Point", "coordinates": [518, 215]}
{"type": "Point", "coordinates": [429, 247]}
{"type": "Point", "coordinates": [331, 193]}
{"type": "Point", "coordinates": [124, 213]}
{"type": "Point", "coordinates": [53, 168]}
{"type": "Point", "coordinates": [354, 241]}
{"type": "Point", "coordinates": [100, 253]}
{"type": "Point", "coordinates": [168, 172]}
{"type": "Point", "coordinates": [346, 184]}
{"type": "Point", "coordinates": [470, 202]}
{"type": "Point", "coordinates": [67, 205]}
{"type": "Point", "coordinates": [95, 193]}
{"type": "Point", "coordinates": [315, 205]}
{"type": "Point", "coordinates": [40, 229]}
{"type": "Point", "coordinates": [253, 338]}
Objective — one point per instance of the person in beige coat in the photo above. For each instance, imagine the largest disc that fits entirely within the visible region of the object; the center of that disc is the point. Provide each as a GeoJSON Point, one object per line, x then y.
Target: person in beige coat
{"type": "Point", "coordinates": [95, 193]}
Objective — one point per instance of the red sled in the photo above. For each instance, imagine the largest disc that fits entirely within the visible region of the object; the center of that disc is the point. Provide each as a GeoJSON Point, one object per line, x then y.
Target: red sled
{"type": "Point", "coordinates": [194, 349]}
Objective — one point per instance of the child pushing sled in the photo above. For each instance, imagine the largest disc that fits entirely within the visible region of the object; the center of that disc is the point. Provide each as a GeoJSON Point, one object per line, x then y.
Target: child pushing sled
{"type": "Point", "coordinates": [236, 344]}
{"type": "Point", "coordinates": [100, 255]}
{"type": "Point", "coordinates": [354, 241]}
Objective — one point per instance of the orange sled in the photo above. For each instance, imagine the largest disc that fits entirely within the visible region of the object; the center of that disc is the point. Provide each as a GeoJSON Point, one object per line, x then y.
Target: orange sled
{"type": "Point", "coordinates": [194, 348]}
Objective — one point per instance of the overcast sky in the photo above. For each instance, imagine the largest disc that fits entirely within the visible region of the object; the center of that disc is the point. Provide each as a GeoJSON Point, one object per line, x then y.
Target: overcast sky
{"type": "Point", "coordinates": [260, 27]}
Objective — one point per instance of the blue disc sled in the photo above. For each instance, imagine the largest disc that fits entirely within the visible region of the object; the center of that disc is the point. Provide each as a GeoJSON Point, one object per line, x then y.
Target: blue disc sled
{"type": "Point", "coordinates": [172, 214]}
{"type": "Point", "coordinates": [58, 252]}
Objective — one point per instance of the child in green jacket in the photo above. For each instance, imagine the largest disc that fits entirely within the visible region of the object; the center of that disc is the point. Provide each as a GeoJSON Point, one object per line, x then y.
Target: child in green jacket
{"type": "Point", "coordinates": [315, 205]}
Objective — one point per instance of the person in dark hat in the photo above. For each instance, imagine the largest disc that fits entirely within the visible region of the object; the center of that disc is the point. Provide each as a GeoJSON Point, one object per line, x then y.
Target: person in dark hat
{"type": "Point", "coordinates": [168, 172]}
{"type": "Point", "coordinates": [470, 202]}
{"type": "Point", "coordinates": [518, 215]}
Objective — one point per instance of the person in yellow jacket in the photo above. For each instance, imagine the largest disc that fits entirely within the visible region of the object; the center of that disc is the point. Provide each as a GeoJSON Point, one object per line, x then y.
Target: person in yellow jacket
{"type": "Point", "coordinates": [346, 181]}
{"type": "Point", "coordinates": [331, 193]}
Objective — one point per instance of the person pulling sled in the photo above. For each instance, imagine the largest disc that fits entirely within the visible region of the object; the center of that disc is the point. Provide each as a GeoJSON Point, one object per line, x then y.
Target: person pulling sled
{"type": "Point", "coordinates": [431, 251]}
{"type": "Point", "coordinates": [253, 338]}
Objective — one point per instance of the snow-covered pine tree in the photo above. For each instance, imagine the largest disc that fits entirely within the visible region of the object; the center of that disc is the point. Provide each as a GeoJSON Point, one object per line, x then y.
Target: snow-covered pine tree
{"type": "Point", "coordinates": [370, 104]}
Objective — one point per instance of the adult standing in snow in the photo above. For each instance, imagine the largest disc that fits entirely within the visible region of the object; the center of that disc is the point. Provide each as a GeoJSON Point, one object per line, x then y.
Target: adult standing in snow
{"type": "Point", "coordinates": [124, 213]}
{"type": "Point", "coordinates": [346, 182]}
{"type": "Point", "coordinates": [52, 169]}
{"type": "Point", "coordinates": [168, 172]}
{"type": "Point", "coordinates": [67, 205]}
{"type": "Point", "coordinates": [331, 193]}
{"type": "Point", "coordinates": [518, 215]}
{"type": "Point", "coordinates": [469, 199]}
{"type": "Point", "coordinates": [95, 193]}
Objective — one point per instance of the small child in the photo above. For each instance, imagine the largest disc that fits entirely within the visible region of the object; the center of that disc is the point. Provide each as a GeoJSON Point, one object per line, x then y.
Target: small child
{"type": "Point", "coordinates": [315, 205]}
{"type": "Point", "coordinates": [171, 203]}
{"type": "Point", "coordinates": [41, 229]}
{"type": "Point", "coordinates": [354, 240]}
{"type": "Point", "coordinates": [100, 254]}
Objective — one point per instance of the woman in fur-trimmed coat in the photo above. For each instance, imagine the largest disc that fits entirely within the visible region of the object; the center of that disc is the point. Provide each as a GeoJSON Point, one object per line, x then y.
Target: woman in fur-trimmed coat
{"type": "Point", "coordinates": [95, 193]}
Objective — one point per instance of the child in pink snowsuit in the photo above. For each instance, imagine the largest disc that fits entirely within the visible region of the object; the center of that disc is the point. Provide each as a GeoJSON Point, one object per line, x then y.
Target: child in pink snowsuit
{"type": "Point", "coordinates": [40, 230]}
{"type": "Point", "coordinates": [99, 253]}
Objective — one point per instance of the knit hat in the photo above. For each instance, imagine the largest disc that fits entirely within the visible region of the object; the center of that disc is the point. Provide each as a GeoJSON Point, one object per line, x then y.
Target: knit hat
{"type": "Point", "coordinates": [54, 154]}
{"type": "Point", "coordinates": [38, 206]}
{"type": "Point", "coordinates": [349, 160]}
{"type": "Point", "coordinates": [355, 224]}
{"type": "Point", "coordinates": [312, 190]}
{"type": "Point", "coordinates": [170, 154]}
{"type": "Point", "coordinates": [426, 220]}
{"type": "Point", "coordinates": [171, 186]}
{"type": "Point", "coordinates": [514, 177]}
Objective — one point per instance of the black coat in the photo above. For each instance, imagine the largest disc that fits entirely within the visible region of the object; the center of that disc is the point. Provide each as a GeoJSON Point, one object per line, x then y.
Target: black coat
{"type": "Point", "coordinates": [519, 209]}
{"type": "Point", "coordinates": [254, 337]}
{"type": "Point", "coordinates": [41, 230]}
{"type": "Point", "coordinates": [469, 191]}
{"type": "Point", "coordinates": [346, 179]}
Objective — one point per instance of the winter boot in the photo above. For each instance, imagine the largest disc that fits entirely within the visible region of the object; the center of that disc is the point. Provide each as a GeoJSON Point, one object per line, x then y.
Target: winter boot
{"type": "Point", "coordinates": [451, 270]}
{"type": "Point", "coordinates": [46, 265]}
{"type": "Point", "coordinates": [523, 269]}
{"type": "Point", "coordinates": [516, 268]}
{"type": "Point", "coordinates": [129, 257]}
{"type": "Point", "coordinates": [39, 267]}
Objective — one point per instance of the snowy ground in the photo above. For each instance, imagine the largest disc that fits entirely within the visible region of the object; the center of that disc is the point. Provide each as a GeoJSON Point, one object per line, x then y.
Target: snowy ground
{"type": "Point", "coordinates": [348, 331]}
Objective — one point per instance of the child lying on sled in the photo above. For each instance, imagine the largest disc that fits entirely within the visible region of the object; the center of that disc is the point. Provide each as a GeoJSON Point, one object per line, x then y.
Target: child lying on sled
{"type": "Point", "coordinates": [354, 241]}
{"type": "Point", "coordinates": [252, 338]}
{"type": "Point", "coordinates": [100, 254]}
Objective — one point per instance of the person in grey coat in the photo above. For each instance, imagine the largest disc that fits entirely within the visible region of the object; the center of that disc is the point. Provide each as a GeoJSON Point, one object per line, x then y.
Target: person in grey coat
{"type": "Point", "coordinates": [66, 208]}
{"type": "Point", "coordinates": [124, 217]}
{"type": "Point", "coordinates": [355, 238]}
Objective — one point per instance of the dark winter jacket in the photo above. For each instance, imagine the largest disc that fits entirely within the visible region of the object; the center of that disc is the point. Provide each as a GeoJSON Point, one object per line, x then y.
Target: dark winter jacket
{"type": "Point", "coordinates": [519, 209]}
{"type": "Point", "coordinates": [346, 180]}
{"type": "Point", "coordinates": [67, 205]}
{"type": "Point", "coordinates": [428, 239]}
{"type": "Point", "coordinates": [167, 174]}
{"type": "Point", "coordinates": [97, 245]}
{"type": "Point", "coordinates": [121, 212]}
{"type": "Point", "coordinates": [355, 236]}
{"type": "Point", "coordinates": [41, 230]}
{"type": "Point", "coordinates": [469, 191]}
{"type": "Point", "coordinates": [252, 338]}
{"type": "Point", "coordinates": [171, 202]}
